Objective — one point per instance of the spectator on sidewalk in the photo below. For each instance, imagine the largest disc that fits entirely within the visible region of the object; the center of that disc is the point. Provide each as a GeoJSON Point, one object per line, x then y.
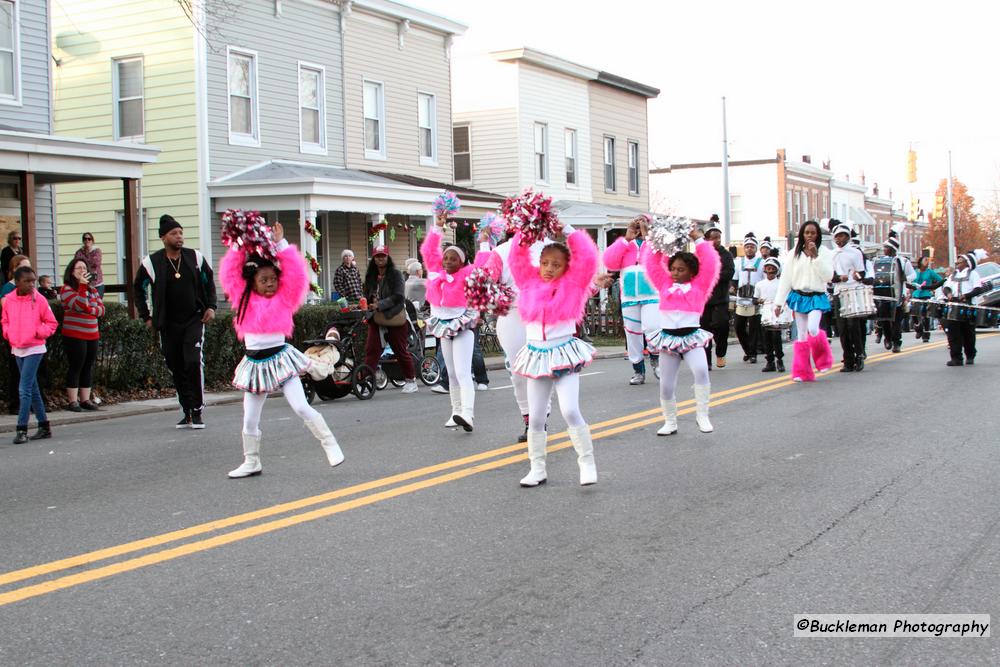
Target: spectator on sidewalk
{"type": "Point", "coordinates": [13, 375]}
{"type": "Point", "coordinates": [479, 373]}
{"type": "Point", "coordinates": [27, 321]}
{"type": "Point", "coordinates": [91, 254]}
{"type": "Point", "coordinates": [183, 297]}
{"type": "Point", "coordinates": [415, 287]}
{"type": "Point", "coordinates": [347, 278]}
{"type": "Point", "coordinates": [13, 264]}
{"type": "Point", "coordinates": [11, 250]}
{"type": "Point", "coordinates": [46, 287]}
{"type": "Point", "coordinates": [82, 305]}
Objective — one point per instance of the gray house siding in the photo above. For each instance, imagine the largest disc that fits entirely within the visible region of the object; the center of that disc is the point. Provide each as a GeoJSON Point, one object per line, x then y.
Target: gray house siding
{"type": "Point", "coordinates": [304, 33]}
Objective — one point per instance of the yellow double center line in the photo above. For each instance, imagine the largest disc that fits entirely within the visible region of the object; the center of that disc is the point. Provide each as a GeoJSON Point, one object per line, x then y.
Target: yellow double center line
{"type": "Point", "coordinates": [467, 466]}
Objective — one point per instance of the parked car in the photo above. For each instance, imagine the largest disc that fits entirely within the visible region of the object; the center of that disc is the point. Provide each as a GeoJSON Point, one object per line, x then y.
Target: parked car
{"type": "Point", "coordinates": [989, 271]}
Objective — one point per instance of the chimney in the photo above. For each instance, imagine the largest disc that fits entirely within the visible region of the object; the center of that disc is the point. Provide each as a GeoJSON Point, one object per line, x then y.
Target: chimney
{"type": "Point", "coordinates": [807, 159]}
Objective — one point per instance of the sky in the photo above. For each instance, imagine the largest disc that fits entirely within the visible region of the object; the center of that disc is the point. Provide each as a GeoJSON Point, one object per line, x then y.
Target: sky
{"type": "Point", "coordinates": [854, 82]}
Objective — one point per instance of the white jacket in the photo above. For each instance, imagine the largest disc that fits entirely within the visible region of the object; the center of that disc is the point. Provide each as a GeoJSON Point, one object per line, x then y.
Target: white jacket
{"type": "Point", "coordinates": [805, 274]}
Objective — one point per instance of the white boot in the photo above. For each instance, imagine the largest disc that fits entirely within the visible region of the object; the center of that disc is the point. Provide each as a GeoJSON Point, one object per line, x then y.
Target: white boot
{"type": "Point", "coordinates": [329, 443]}
{"type": "Point", "coordinates": [464, 418]}
{"type": "Point", "coordinates": [251, 458]}
{"type": "Point", "coordinates": [701, 397]}
{"type": "Point", "coordinates": [584, 446]}
{"type": "Point", "coordinates": [455, 394]}
{"type": "Point", "coordinates": [669, 417]}
{"type": "Point", "coordinates": [536, 455]}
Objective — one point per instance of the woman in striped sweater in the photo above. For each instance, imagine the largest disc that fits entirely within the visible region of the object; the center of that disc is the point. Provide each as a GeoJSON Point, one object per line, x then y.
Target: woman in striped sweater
{"type": "Point", "coordinates": [82, 305]}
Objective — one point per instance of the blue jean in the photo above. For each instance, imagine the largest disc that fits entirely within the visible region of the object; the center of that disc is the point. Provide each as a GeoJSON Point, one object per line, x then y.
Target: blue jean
{"type": "Point", "coordinates": [28, 390]}
{"type": "Point", "coordinates": [478, 364]}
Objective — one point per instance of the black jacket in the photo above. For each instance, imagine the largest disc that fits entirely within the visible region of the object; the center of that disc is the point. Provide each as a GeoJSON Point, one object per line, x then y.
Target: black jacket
{"type": "Point", "coordinates": [390, 295]}
{"type": "Point", "coordinates": [161, 268]}
{"type": "Point", "coordinates": [721, 292]}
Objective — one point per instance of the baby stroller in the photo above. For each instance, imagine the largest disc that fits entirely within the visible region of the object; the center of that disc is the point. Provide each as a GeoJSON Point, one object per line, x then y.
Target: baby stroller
{"type": "Point", "coordinates": [424, 361]}
{"type": "Point", "coordinates": [337, 362]}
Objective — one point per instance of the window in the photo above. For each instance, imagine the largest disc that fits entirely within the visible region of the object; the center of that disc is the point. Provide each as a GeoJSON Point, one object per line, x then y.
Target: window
{"type": "Point", "coordinates": [570, 157]}
{"type": "Point", "coordinates": [798, 198]}
{"type": "Point", "coordinates": [788, 210]}
{"type": "Point", "coordinates": [374, 110]}
{"type": "Point", "coordinates": [609, 164]}
{"type": "Point", "coordinates": [244, 126]}
{"type": "Point", "coordinates": [541, 152]}
{"type": "Point", "coordinates": [463, 152]}
{"type": "Point", "coordinates": [129, 104]}
{"type": "Point", "coordinates": [427, 128]}
{"type": "Point", "coordinates": [805, 206]}
{"type": "Point", "coordinates": [10, 66]}
{"type": "Point", "coordinates": [633, 168]}
{"type": "Point", "coordinates": [312, 109]}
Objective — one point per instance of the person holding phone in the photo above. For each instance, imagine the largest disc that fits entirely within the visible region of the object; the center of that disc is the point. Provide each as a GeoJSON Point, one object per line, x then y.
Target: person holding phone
{"type": "Point", "coordinates": [82, 306]}
{"type": "Point", "coordinates": [92, 255]}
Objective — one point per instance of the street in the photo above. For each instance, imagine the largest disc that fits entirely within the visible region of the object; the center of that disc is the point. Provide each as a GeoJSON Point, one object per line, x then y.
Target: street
{"type": "Point", "coordinates": [123, 541]}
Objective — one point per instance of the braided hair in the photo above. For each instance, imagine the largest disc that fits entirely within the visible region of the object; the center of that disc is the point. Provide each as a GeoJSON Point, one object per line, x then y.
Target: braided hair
{"type": "Point", "coordinates": [251, 265]}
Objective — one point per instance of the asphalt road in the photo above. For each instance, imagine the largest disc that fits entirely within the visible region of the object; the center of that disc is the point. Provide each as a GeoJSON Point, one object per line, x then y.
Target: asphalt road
{"type": "Point", "coordinates": [123, 542]}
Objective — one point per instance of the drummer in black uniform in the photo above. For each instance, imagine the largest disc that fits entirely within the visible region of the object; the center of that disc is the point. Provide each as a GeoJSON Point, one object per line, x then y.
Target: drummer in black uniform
{"type": "Point", "coordinates": [848, 272]}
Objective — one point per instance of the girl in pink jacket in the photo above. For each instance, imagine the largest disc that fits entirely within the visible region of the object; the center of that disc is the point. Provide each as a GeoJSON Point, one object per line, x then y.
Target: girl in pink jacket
{"type": "Point", "coordinates": [552, 300]}
{"type": "Point", "coordinates": [685, 282]}
{"type": "Point", "coordinates": [27, 322]}
{"type": "Point", "coordinates": [452, 322]}
{"type": "Point", "coordinates": [266, 295]}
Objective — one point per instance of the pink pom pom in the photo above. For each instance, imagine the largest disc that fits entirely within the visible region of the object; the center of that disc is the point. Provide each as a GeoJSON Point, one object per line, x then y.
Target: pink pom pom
{"type": "Point", "coordinates": [533, 215]}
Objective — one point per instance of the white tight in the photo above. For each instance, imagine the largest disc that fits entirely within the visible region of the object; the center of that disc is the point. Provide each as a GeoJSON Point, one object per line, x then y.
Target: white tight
{"type": "Point", "coordinates": [253, 406]}
{"type": "Point", "coordinates": [638, 319]}
{"type": "Point", "coordinates": [512, 337]}
{"type": "Point", "coordinates": [670, 366]}
{"type": "Point", "coordinates": [807, 324]}
{"type": "Point", "coordinates": [540, 396]}
{"type": "Point", "coordinates": [457, 354]}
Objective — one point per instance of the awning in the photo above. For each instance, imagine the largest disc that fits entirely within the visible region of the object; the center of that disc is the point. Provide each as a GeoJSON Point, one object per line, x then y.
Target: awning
{"type": "Point", "coordinates": [860, 216]}
{"type": "Point", "coordinates": [55, 159]}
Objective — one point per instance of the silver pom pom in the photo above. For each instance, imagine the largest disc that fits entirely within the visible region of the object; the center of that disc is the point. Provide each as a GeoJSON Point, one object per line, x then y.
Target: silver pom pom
{"type": "Point", "coordinates": [670, 234]}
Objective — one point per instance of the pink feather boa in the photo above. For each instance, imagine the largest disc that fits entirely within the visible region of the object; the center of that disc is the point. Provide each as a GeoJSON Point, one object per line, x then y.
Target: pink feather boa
{"type": "Point", "coordinates": [560, 300]}
{"type": "Point", "coordinates": [266, 315]}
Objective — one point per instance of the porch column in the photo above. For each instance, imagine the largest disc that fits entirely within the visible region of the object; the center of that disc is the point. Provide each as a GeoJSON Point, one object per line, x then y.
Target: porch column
{"type": "Point", "coordinates": [27, 187]}
{"type": "Point", "coordinates": [375, 219]}
{"type": "Point", "coordinates": [308, 246]}
{"type": "Point", "coordinates": [130, 189]}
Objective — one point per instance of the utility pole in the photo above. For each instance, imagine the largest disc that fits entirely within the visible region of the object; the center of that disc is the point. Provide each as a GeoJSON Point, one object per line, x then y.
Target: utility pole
{"type": "Point", "coordinates": [951, 219]}
{"type": "Point", "coordinates": [725, 174]}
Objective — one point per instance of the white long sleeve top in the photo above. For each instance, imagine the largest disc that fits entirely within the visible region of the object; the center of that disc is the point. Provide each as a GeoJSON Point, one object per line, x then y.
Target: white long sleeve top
{"type": "Point", "coordinates": [805, 274]}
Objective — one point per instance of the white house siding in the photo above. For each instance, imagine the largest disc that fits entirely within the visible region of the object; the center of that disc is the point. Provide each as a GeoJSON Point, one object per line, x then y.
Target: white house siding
{"type": "Point", "coordinates": [305, 32]}
{"type": "Point", "coordinates": [621, 115]}
{"type": "Point", "coordinates": [562, 102]}
{"type": "Point", "coordinates": [372, 52]}
{"type": "Point", "coordinates": [494, 149]}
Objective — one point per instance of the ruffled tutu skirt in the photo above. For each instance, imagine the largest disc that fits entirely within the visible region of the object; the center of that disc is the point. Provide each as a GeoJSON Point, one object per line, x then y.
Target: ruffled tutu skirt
{"type": "Point", "coordinates": [262, 376]}
{"type": "Point", "coordinates": [564, 358]}
{"type": "Point", "coordinates": [677, 345]}
{"type": "Point", "coordinates": [452, 326]}
{"type": "Point", "coordinates": [801, 303]}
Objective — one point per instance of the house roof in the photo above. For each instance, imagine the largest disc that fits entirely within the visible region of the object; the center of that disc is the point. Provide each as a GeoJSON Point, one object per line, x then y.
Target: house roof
{"type": "Point", "coordinates": [56, 159]}
{"type": "Point", "coordinates": [439, 186]}
{"type": "Point", "coordinates": [563, 66]}
{"type": "Point", "coordinates": [415, 15]}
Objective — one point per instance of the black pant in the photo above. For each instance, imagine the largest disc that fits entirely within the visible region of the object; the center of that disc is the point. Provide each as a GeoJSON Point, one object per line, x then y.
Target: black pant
{"type": "Point", "coordinates": [894, 327]}
{"type": "Point", "coordinates": [961, 338]}
{"type": "Point", "coordinates": [772, 344]}
{"type": "Point", "coordinates": [922, 326]}
{"type": "Point", "coordinates": [80, 355]}
{"type": "Point", "coordinates": [748, 332]}
{"type": "Point", "coordinates": [715, 320]}
{"type": "Point", "coordinates": [181, 346]}
{"type": "Point", "coordinates": [852, 334]}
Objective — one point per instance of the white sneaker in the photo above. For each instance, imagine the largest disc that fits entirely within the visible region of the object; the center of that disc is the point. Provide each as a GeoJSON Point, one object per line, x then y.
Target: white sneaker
{"type": "Point", "coordinates": [482, 387]}
{"type": "Point", "coordinates": [438, 389]}
{"type": "Point", "coordinates": [410, 387]}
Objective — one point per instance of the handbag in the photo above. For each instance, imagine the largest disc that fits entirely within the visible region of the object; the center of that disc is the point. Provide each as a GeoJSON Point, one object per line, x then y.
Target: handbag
{"type": "Point", "coordinates": [397, 320]}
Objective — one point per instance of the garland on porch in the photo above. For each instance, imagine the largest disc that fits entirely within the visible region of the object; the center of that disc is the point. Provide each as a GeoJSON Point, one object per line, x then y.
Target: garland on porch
{"type": "Point", "coordinates": [317, 269]}
{"type": "Point", "coordinates": [312, 231]}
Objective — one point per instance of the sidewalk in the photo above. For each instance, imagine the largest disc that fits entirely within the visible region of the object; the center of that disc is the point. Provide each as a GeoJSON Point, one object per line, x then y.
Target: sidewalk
{"type": "Point", "coordinates": [8, 423]}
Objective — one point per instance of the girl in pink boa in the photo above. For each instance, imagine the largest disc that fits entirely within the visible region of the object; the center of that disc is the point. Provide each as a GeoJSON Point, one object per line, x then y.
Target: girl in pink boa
{"type": "Point", "coordinates": [552, 300]}
{"type": "Point", "coordinates": [685, 282]}
{"type": "Point", "coordinates": [266, 295]}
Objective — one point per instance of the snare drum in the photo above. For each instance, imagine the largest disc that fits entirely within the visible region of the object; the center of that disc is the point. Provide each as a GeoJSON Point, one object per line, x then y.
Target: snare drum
{"type": "Point", "coordinates": [956, 312]}
{"type": "Point", "coordinates": [856, 301]}
{"type": "Point", "coordinates": [918, 308]}
{"type": "Point", "coordinates": [769, 321]}
{"type": "Point", "coordinates": [933, 309]}
{"type": "Point", "coordinates": [985, 317]}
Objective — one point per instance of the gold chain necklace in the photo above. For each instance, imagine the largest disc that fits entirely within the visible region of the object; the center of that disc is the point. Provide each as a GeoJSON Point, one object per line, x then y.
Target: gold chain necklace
{"type": "Point", "coordinates": [177, 269]}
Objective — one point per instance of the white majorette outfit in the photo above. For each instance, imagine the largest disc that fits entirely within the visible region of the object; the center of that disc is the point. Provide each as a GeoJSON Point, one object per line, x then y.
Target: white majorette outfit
{"type": "Point", "coordinates": [640, 303]}
{"type": "Point", "coordinates": [961, 287]}
{"type": "Point", "coordinates": [802, 288]}
{"type": "Point", "coordinates": [271, 363]}
{"type": "Point", "coordinates": [848, 271]}
{"type": "Point", "coordinates": [681, 305]}
{"type": "Point", "coordinates": [749, 271]}
{"type": "Point", "coordinates": [553, 355]}
{"type": "Point", "coordinates": [510, 329]}
{"type": "Point", "coordinates": [764, 293]}
{"type": "Point", "coordinates": [453, 323]}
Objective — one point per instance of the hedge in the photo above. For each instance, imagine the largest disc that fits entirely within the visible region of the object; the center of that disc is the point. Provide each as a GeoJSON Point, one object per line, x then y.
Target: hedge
{"type": "Point", "coordinates": [129, 358]}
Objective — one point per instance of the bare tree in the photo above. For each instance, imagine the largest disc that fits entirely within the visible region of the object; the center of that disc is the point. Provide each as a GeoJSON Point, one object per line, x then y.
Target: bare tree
{"type": "Point", "coordinates": [208, 16]}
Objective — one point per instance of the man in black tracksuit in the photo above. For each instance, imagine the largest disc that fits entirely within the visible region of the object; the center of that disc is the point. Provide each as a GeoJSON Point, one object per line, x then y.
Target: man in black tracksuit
{"type": "Point", "coordinates": [715, 317]}
{"type": "Point", "coordinates": [183, 295]}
